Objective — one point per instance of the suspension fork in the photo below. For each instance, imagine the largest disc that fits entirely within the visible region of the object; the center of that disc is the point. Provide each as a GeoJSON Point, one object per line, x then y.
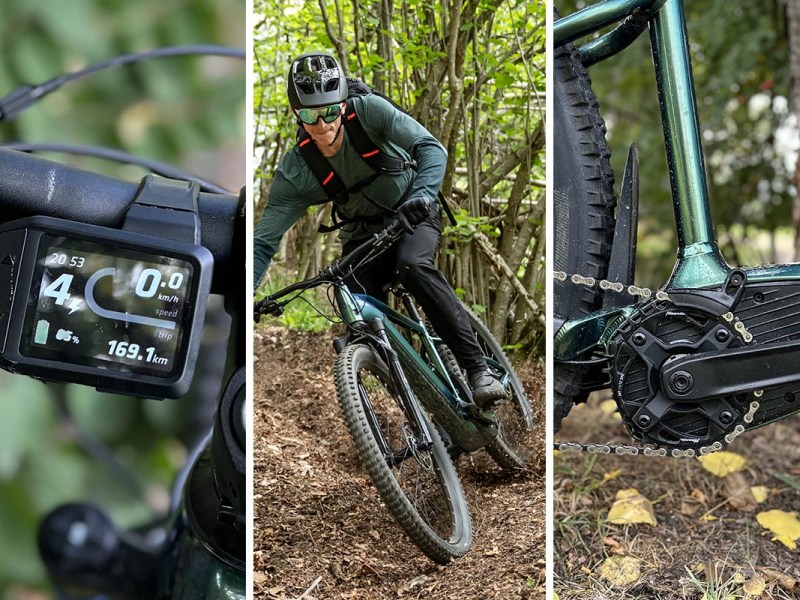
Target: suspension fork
{"type": "Point", "coordinates": [408, 402]}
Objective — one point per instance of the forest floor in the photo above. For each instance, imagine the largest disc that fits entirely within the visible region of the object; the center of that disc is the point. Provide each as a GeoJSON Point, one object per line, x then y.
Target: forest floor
{"type": "Point", "coordinates": [320, 529]}
{"type": "Point", "coordinates": [706, 544]}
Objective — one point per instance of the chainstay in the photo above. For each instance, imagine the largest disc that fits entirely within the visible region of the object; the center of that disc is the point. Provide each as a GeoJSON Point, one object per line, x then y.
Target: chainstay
{"type": "Point", "coordinates": [648, 450]}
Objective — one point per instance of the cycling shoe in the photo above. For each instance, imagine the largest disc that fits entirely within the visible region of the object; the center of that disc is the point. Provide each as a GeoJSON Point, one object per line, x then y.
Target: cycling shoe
{"type": "Point", "coordinates": [486, 390]}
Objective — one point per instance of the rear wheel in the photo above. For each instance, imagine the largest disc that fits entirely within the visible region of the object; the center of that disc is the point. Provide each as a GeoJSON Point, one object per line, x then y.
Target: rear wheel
{"type": "Point", "coordinates": [583, 210]}
{"type": "Point", "coordinates": [418, 484]}
{"type": "Point", "coordinates": [513, 449]}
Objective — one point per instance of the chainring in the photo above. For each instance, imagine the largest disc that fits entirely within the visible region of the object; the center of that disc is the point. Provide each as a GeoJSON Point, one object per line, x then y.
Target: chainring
{"type": "Point", "coordinates": [657, 333]}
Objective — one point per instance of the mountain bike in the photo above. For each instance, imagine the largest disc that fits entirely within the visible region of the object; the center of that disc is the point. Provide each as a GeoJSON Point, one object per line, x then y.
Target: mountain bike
{"type": "Point", "coordinates": [711, 354]}
{"type": "Point", "coordinates": [391, 371]}
{"type": "Point", "coordinates": [105, 283]}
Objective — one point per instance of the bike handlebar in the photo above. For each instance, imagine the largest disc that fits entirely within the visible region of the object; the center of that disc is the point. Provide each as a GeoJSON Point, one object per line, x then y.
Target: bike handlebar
{"type": "Point", "coordinates": [337, 271]}
{"type": "Point", "coordinates": [30, 185]}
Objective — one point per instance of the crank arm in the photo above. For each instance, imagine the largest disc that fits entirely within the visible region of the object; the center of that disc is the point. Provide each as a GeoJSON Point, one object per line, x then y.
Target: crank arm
{"type": "Point", "coordinates": [747, 369]}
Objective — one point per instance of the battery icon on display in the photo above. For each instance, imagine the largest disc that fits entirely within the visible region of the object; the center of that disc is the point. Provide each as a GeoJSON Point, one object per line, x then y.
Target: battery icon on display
{"type": "Point", "coordinates": [42, 331]}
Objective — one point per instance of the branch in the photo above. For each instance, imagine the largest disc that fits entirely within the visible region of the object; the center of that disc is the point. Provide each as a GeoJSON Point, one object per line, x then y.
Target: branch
{"type": "Point", "coordinates": [338, 43]}
{"type": "Point", "coordinates": [504, 166]}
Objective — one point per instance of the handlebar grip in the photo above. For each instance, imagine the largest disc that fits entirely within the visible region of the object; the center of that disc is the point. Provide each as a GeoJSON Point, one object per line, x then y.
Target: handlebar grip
{"type": "Point", "coordinates": [30, 186]}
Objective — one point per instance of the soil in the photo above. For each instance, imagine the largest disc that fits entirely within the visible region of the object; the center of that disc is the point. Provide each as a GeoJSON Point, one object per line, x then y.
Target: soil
{"type": "Point", "coordinates": [320, 529]}
{"type": "Point", "coordinates": [703, 546]}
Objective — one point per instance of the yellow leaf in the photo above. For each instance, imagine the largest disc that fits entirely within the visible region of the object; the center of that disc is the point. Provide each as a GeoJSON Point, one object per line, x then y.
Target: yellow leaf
{"type": "Point", "coordinates": [760, 492]}
{"type": "Point", "coordinates": [738, 577]}
{"type": "Point", "coordinates": [783, 524]}
{"type": "Point", "coordinates": [620, 570]}
{"type": "Point", "coordinates": [631, 507]}
{"type": "Point", "coordinates": [555, 596]}
{"type": "Point", "coordinates": [755, 587]}
{"type": "Point", "coordinates": [613, 475]}
{"type": "Point", "coordinates": [723, 463]}
{"type": "Point", "coordinates": [608, 407]}
{"type": "Point", "coordinates": [706, 518]}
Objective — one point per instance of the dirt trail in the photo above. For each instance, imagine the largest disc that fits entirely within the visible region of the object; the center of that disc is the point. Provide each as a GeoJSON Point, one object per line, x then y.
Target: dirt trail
{"type": "Point", "coordinates": [318, 519]}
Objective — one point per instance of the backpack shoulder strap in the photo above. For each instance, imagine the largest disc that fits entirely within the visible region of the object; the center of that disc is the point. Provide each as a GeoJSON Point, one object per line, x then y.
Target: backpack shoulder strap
{"type": "Point", "coordinates": [369, 152]}
{"type": "Point", "coordinates": [446, 208]}
{"type": "Point", "coordinates": [331, 183]}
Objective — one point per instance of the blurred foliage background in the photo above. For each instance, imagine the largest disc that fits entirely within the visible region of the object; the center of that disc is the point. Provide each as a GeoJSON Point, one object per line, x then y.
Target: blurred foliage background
{"type": "Point", "coordinates": [741, 61]}
{"type": "Point", "coordinates": [473, 74]}
{"type": "Point", "coordinates": [188, 112]}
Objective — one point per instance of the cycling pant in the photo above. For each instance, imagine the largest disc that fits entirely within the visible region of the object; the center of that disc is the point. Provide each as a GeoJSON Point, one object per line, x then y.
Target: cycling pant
{"type": "Point", "coordinates": [412, 261]}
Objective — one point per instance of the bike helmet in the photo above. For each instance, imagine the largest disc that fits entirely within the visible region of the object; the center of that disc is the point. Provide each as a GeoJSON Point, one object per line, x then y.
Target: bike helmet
{"type": "Point", "coordinates": [316, 79]}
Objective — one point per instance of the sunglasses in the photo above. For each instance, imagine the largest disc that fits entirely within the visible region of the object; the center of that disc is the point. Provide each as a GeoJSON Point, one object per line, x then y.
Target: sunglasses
{"type": "Point", "coordinates": [329, 114]}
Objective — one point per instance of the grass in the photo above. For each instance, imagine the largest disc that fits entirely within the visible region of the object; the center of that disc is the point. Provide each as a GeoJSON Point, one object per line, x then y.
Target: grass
{"type": "Point", "coordinates": [309, 311]}
{"type": "Point", "coordinates": [682, 557]}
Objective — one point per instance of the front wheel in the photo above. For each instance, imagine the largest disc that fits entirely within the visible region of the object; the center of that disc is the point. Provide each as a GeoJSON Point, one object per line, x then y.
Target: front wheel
{"type": "Point", "coordinates": [418, 484]}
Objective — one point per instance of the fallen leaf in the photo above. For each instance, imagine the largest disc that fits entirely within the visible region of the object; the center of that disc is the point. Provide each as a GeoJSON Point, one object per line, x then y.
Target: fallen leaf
{"type": "Point", "coordinates": [555, 596]}
{"type": "Point", "coordinates": [611, 542]}
{"type": "Point", "coordinates": [723, 463]}
{"type": "Point", "coordinates": [760, 493]}
{"type": "Point", "coordinates": [612, 475]}
{"type": "Point", "coordinates": [493, 552]}
{"type": "Point", "coordinates": [698, 495]}
{"type": "Point", "coordinates": [410, 585]}
{"type": "Point", "coordinates": [276, 590]}
{"type": "Point", "coordinates": [631, 507]}
{"type": "Point", "coordinates": [787, 582]}
{"type": "Point", "coordinates": [738, 493]}
{"type": "Point", "coordinates": [739, 577]}
{"type": "Point", "coordinates": [707, 518]}
{"type": "Point", "coordinates": [608, 407]}
{"type": "Point", "coordinates": [755, 586]}
{"type": "Point", "coordinates": [259, 577]}
{"type": "Point", "coordinates": [689, 508]}
{"type": "Point", "coordinates": [620, 570]}
{"type": "Point", "coordinates": [783, 524]}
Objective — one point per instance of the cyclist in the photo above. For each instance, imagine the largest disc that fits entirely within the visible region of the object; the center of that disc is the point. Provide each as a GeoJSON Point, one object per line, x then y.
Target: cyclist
{"type": "Point", "coordinates": [318, 94]}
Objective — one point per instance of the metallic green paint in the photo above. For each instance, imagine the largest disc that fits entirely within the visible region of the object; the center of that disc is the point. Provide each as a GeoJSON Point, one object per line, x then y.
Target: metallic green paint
{"type": "Point", "coordinates": [578, 336]}
{"type": "Point", "coordinates": [595, 17]}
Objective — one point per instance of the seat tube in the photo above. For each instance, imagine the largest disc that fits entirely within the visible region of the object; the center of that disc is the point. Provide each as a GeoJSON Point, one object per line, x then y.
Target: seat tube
{"type": "Point", "coordinates": [699, 261]}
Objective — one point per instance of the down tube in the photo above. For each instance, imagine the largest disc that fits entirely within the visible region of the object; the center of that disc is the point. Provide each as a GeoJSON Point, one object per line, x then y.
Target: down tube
{"type": "Point", "coordinates": [700, 263]}
{"type": "Point", "coordinates": [400, 344]}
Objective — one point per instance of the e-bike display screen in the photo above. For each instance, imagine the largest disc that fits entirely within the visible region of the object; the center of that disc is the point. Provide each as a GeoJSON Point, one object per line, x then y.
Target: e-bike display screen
{"type": "Point", "coordinates": [108, 307]}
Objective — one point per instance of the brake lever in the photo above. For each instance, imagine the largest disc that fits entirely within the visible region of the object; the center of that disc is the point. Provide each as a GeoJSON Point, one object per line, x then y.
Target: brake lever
{"type": "Point", "coordinates": [267, 306]}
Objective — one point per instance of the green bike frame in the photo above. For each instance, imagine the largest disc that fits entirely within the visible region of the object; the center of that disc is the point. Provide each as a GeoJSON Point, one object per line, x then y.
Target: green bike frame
{"type": "Point", "coordinates": [700, 265]}
{"type": "Point", "coordinates": [445, 403]}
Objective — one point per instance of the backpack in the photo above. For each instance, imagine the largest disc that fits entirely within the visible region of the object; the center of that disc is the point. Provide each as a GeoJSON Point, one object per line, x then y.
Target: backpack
{"type": "Point", "coordinates": [380, 162]}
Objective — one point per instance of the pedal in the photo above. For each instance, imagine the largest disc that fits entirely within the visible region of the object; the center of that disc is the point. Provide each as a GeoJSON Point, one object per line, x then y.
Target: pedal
{"type": "Point", "coordinates": [484, 416]}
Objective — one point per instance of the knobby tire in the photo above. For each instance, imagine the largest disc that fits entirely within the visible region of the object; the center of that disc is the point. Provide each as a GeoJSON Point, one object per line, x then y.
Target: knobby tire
{"type": "Point", "coordinates": [370, 408]}
{"type": "Point", "coordinates": [513, 448]}
{"type": "Point", "coordinates": [583, 209]}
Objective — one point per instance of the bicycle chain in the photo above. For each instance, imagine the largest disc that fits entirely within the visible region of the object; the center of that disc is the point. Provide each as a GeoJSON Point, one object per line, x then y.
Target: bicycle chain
{"type": "Point", "coordinates": [649, 450]}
